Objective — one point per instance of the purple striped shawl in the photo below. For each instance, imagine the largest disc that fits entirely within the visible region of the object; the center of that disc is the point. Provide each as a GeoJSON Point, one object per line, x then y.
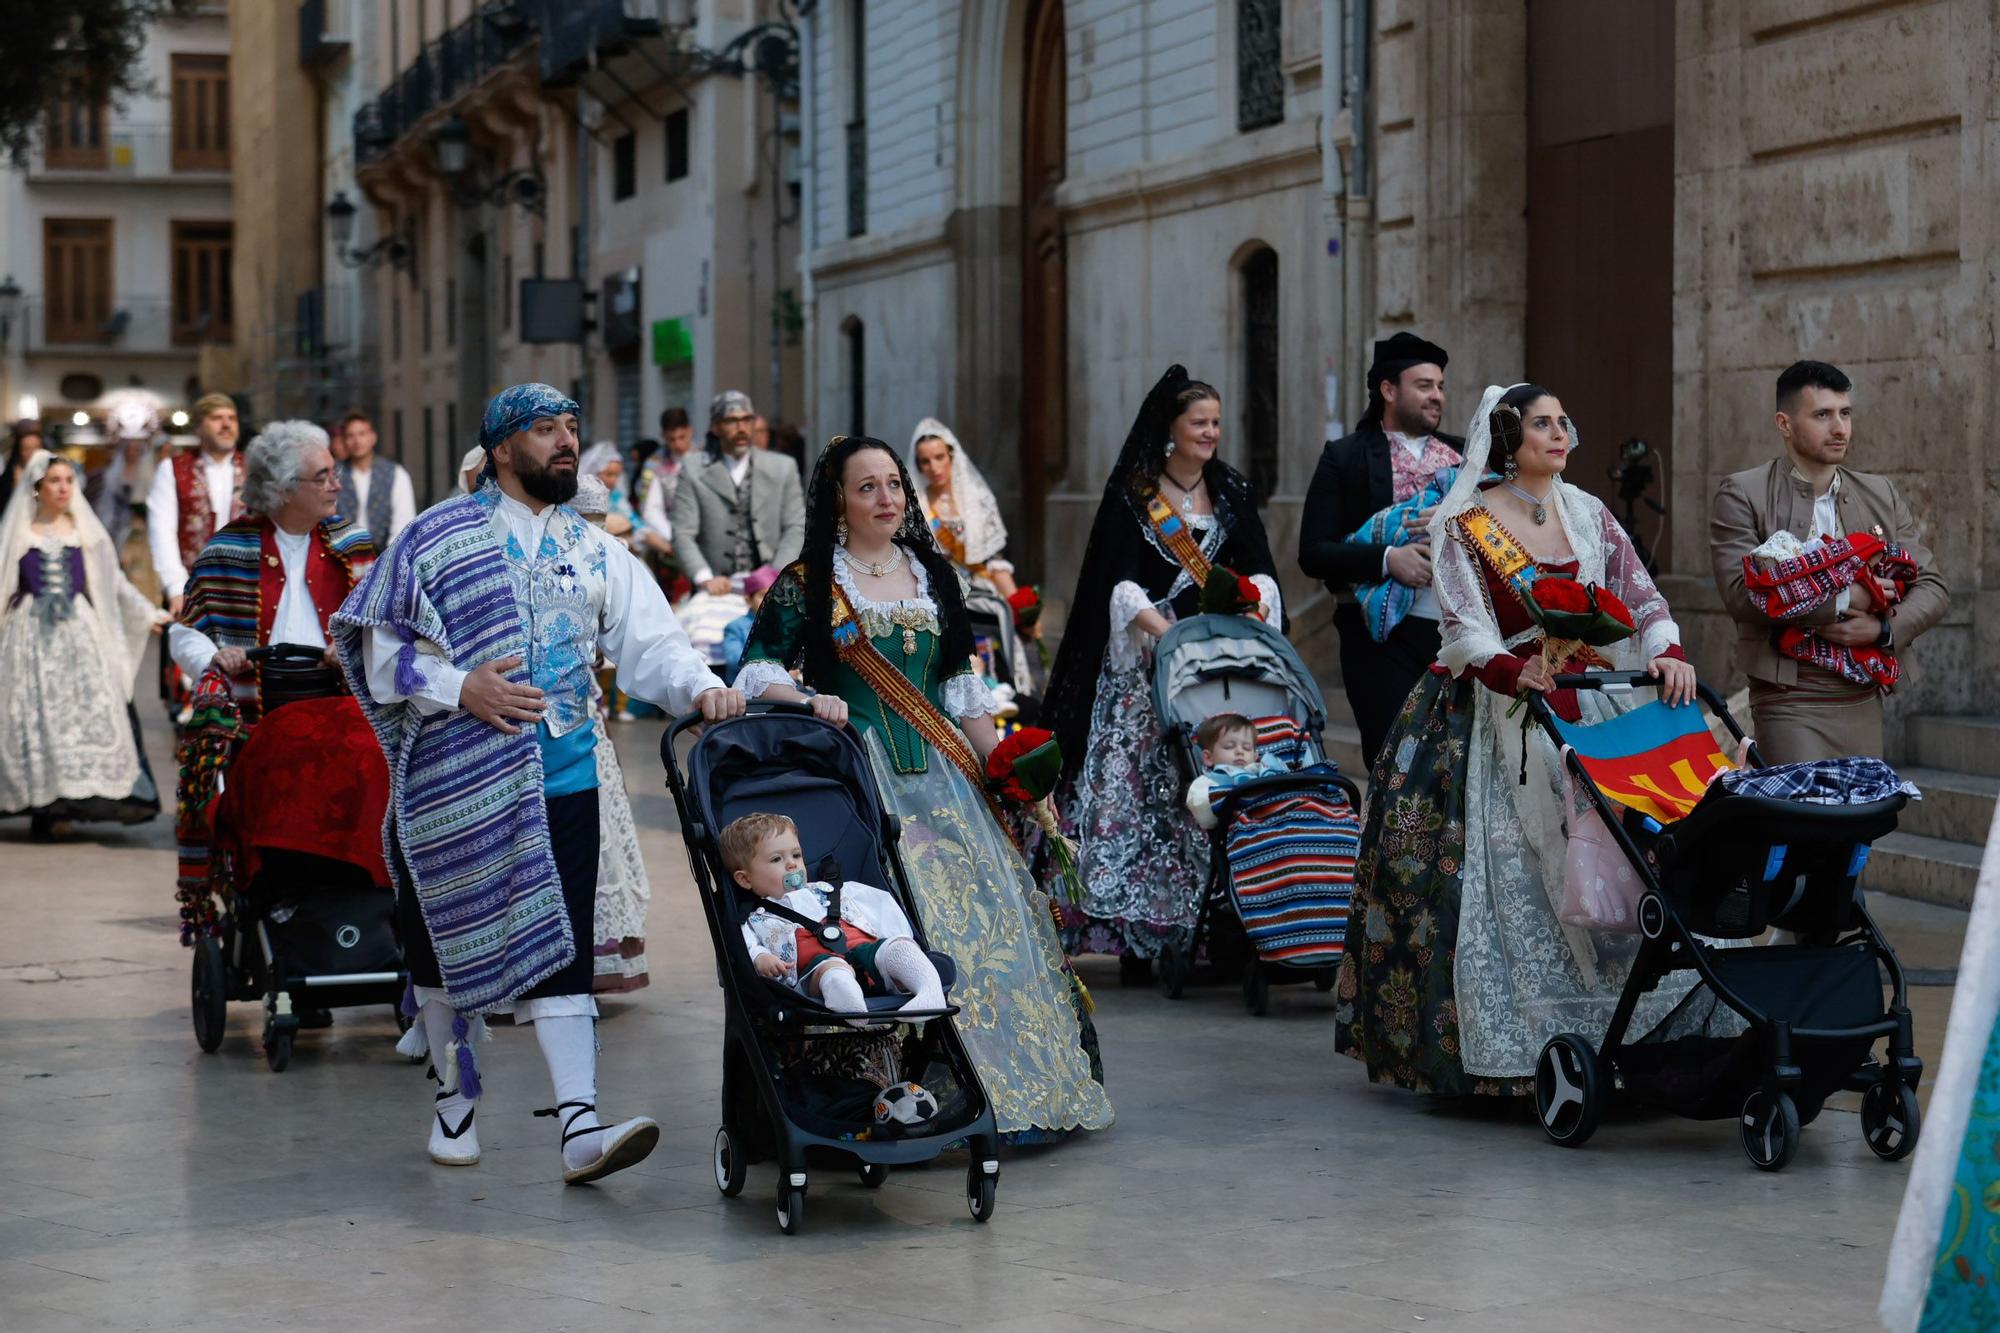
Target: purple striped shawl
{"type": "Point", "coordinates": [465, 800]}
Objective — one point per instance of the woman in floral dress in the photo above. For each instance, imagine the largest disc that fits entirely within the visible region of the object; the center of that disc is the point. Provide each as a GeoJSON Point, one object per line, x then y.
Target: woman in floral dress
{"type": "Point", "coordinates": [874, 618]}
{"type": "Point", "coordinates": [1143, 861]}
{"type": "Point", "coordinates": [1457, 969]}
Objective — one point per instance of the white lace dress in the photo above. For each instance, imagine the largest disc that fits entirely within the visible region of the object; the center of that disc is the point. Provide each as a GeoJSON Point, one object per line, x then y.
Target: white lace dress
{"type": "Point", "coordinates": [624, 892]}
{"type": "Point", "coordinates": [69, 748]}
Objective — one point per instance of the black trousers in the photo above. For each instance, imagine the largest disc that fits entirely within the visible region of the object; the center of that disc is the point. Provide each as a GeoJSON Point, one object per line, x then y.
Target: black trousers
{"type": "Point", "coordinates": [573, 839]}
{"type": "Point", "coordinates": [1378, 677]}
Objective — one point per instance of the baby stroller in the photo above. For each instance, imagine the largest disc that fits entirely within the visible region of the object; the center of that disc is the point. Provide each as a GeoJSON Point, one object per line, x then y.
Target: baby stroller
{"type": "Point", "coordinates": [993, 628]}
{"type": "Point", "coordinates": [1289, 894]}
{"type": "Point", "coordinates": [1786, 1025]}
{"type": "Point", "coordinates": [780, 758]}
{"type": "Point", "coordinates": [307, 920]}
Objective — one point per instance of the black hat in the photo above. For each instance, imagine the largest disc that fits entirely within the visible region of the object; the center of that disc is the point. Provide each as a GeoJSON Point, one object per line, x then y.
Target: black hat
{"type": "Point", "coordinates": [1393, 356]}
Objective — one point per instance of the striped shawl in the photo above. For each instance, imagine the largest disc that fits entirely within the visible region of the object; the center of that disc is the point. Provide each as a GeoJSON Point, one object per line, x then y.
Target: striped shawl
{"type": "Point", "coordinates": [466, 806]}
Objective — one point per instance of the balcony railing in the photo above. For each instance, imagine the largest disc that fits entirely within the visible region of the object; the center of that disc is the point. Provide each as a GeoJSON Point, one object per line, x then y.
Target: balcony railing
{"type": "Point", "coordinates": [444, 69]}
{"type": "Point", "coordinates": [123, 327]}
{"type": "Point", "coordinates": [130, 152]}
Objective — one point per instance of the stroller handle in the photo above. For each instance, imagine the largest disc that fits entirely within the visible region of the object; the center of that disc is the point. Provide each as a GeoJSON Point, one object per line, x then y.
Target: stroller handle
{"type": "Point", "coordinates": [1620, 681]}
{"type": "Point", "coordinates": [689, 720]}
{"type": "Point", "coordinates": [285, 652]}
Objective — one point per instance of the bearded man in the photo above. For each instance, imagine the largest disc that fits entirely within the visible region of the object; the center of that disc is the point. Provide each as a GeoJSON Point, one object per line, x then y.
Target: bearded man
{"type": "Point", "coordinates": [471, 648]}
{"type": "Point", "coordinates": [1394, 452]}
{"type": "Point", "coordinates": [1805, 707]}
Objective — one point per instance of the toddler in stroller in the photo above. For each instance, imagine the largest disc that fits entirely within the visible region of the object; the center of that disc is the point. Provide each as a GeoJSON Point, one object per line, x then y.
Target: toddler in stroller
{"type": "Point", "coordinates": [841, 944]}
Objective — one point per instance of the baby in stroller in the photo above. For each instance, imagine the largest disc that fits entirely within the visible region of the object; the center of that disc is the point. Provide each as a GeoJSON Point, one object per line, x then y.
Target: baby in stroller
{"type": "Point", "coordinates": [1228, 744]}
{"type": "Point", "coordinates": [839, 944]}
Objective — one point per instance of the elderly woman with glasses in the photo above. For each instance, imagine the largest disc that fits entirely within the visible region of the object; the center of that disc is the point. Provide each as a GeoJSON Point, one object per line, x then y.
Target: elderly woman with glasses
{"type": "Point", "coordinates": [276, 575]}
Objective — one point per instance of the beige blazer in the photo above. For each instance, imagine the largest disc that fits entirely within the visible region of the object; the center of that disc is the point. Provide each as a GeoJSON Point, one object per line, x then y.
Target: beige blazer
{"type": "Point", "coordinates": [1752, 506]}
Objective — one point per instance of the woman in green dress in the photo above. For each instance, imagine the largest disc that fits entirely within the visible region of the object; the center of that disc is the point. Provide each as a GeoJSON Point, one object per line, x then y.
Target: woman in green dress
{"type": "Point", "coordinates": [874, 619]}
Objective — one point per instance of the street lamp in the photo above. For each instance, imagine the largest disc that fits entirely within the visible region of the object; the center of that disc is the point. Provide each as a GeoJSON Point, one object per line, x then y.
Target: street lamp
{"type": "Point", "coordinates": [452, 142]}
{"type": "Point", "coordinates": [340, 220]}
{"type": "Point", "coordinates": [396, 250]}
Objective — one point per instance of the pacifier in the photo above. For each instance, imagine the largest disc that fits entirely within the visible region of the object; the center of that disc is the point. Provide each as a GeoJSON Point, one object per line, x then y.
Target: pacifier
{"type": "Point", "coordinates": [795, 879]}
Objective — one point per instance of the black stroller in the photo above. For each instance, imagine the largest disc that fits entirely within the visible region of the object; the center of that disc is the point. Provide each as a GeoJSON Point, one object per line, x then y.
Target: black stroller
{"type": "Point", "coordinates": [1810, 1011]}
{"type": "Point", "coordinates": [781, 758]}
{"type": "Point", "coordinates": [307, 933]}
{"type": "Point", "coordinates": [1287, 926]}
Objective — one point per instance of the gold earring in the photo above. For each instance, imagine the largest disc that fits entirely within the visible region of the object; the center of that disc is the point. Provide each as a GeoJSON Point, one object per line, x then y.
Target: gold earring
{"type": "Point", "coordinates": [840, 531]}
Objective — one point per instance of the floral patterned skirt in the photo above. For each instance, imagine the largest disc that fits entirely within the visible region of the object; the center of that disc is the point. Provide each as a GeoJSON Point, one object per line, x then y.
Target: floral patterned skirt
{"type": "Point", "coordinates": [1143, 861]}
{"type": "Point", "coordinates": [1395, 1007]}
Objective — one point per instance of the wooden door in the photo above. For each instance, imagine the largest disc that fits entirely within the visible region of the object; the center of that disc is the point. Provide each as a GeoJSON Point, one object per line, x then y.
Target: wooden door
{"type": "Point", "coordinates": [76, 278]}
{"type": "Point", "coordinates": [1600, 235]}
{"type": "Point", "coordinates": [73, 130]}
{"type": "Point", "coordinates": [1044, 296]}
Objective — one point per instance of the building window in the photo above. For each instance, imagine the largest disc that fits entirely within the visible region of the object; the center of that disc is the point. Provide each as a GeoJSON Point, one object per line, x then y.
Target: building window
{"type": "Point", "coordinates": [1260, 71]}
{"type": "Point", "coordinates": [677, 144]}
{"type": "Point", "coordinates": [73, 130]}
{"type": "Point", "coordinates": [857, 120]}
{"type": "Point", "coordinates": [204, 308]}
{"type": "Point", "coordinates": [201, 113]}
{"type": "Point", "coordinates": [451, 431]}
{"type": "Point", "coordinates": [625, 166]}
{"type": "Point", "coordinates": [396, 324]}
{"type": "Point", "coordinates": [76, 273]}
{"type": "Point", "coordinates": [1260, 370]}
{"type": "Point", "coordinates": [430, 455]}
{"type": "Point", "coordinates": [424, 322]}
{"type": "Point", "coordinates": [857, 376]}
{"type": "Point", "coordinates": [396, 432]}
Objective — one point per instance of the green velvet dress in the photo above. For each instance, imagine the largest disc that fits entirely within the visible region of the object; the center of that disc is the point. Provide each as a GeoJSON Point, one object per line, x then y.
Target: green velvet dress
{"type": "Point", "coordinates": [1020, 1015]}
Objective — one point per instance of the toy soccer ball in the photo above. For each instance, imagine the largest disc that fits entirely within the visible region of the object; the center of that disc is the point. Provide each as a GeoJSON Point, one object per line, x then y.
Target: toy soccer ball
{"type": "Point", "coordinates": [905, 1105]}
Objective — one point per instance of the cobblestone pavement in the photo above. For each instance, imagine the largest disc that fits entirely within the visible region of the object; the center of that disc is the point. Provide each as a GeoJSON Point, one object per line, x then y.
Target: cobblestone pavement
{"type": "Point", "coordinates": [1253, 1179]}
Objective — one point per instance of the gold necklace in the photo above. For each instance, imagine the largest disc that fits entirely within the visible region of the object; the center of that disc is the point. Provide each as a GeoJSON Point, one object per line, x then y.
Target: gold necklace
{"type": "Point", "coordinates": [882, 570]}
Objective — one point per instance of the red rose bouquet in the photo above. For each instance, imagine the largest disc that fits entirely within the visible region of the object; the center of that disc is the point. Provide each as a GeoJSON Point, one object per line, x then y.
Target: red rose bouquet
{"type": "Point", "coordinates": [1227, 593]}
{"type": "Point", "coordinates": [1578, 613]}
{"type": "Point", "coordinates": [1027, 604]}
{"type": "Point", "coordinates": [1024, 768]}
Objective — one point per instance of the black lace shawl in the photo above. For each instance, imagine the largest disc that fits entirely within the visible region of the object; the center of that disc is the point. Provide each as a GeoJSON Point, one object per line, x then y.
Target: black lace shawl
{"type": "Point", "coordinates": [1120, 550]}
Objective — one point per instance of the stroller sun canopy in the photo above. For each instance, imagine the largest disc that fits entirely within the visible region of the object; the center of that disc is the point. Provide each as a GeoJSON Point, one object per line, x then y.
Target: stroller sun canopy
{"type": "Point", "coordinates": [1232, 664]}
{"type": "Point", "coordinates": [1655, 759]}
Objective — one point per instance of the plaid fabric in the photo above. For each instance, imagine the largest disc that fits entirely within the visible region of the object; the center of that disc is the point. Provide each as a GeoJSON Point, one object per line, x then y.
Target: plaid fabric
{"type": "Point", "coordinates": [1849, 781]}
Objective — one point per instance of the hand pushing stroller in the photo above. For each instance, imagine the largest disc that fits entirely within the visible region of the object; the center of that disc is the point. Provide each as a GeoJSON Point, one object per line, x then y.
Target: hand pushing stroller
{"type": "Point", "coordinates": [781, 759]}
{"type": "Point", "coordinates": [1734, 866]}
{"type": "Point", "coordinates": [307, 920]}
{"type": "Point", "coordinates": [1289, 888]}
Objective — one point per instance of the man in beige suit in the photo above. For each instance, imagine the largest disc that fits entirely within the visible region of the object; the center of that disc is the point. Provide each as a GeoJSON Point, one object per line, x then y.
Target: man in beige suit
{"type": "Point", "coordinates": [1802, 711]}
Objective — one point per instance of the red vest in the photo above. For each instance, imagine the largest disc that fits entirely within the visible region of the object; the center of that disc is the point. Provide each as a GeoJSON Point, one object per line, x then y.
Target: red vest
{"type": "Point", "coordinates": [198, 521]}
{"type": "Point", "coordinates": [326, 579]}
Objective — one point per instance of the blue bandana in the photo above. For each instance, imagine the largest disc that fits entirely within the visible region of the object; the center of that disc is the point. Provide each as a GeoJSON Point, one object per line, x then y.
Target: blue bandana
{"type": "Point", "coordinates": [520, 407]}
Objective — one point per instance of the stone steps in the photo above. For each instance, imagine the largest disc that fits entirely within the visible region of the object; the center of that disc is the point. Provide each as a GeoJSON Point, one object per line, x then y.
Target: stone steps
{"type": "Point", "coordinates": [1931, 870]}
{"type": "Point", "coordinates": [1957, 807]}
{"type": "Point", "coordinates": [1958, 744]}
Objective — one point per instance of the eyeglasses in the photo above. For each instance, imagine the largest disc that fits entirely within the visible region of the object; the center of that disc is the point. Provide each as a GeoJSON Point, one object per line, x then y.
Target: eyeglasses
{"type": "Point", "coordinates": [324, 479]}
{"type": "Point", "coordinates": [744, 420]}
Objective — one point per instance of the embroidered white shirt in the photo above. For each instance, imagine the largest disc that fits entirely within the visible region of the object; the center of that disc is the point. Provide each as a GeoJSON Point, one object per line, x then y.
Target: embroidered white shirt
{"type": "Point", "coordinates": [163, 515]}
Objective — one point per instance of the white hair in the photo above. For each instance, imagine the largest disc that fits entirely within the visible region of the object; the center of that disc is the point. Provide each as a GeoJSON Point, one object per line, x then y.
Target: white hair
{"type": "Point", "coordinates": [275, 461]}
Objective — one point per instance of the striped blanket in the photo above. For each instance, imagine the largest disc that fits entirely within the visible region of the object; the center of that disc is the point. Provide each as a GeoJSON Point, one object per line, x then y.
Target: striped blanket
{"type": "Point", "coordinates": [466, 804]}
{"type": "Point", "coordinates": [1291, 861]}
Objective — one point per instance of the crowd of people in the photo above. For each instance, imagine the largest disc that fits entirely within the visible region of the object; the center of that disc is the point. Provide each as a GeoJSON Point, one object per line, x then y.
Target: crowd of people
{"type": "Point", "coordinates": [489, 639]}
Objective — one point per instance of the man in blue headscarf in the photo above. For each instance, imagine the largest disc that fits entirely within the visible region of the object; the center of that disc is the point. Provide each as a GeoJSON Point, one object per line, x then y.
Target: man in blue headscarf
{"type": "Point", "coordinates": [471, 650]}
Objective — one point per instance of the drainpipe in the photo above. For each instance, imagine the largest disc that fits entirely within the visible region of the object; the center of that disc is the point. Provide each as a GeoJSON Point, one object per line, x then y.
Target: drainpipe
{"type": "Point", "coordinates": [1360, 204]}
{"type": "Point", "coordinates": [1333, 286]}
{"type": "Point", "coordinates": [580, 258]}
{"type": "Point", "coordinates": [809, 94]}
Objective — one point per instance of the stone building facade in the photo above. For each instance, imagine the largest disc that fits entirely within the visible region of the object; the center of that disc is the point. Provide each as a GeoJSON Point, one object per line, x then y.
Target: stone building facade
{"type": "Point", "coordinates": [1654, 208]}
{"type": "Point", "coordinates": [1022, 211]}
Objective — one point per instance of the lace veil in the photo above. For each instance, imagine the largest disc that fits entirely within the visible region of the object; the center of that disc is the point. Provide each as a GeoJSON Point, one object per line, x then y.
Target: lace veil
{"type": "Point", "coordinates": [121, 628]}
{"type": "Point", "coordinates": [985, 531]}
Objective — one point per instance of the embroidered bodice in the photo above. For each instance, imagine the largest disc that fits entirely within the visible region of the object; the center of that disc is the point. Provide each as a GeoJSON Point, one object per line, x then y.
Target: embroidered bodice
{"type": "Point", "coordinates": [52, 575]}
{"type": "Point", "coordinates": [559, 590]}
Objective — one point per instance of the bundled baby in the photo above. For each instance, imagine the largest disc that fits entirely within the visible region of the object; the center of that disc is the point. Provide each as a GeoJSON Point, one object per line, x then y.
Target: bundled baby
{"type": "Point", "coordinates": [874, 952]}
{"type": "Point", "coordinates": [1228, 743]}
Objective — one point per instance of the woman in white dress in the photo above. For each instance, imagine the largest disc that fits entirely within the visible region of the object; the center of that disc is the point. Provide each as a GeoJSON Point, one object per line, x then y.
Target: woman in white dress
{"type": "Point", "coordinates": [72, 632]}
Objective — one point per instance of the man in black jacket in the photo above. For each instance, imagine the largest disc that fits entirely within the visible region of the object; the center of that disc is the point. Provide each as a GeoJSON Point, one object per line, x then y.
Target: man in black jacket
{"type": "Point", "coordinates": [1393, 452]}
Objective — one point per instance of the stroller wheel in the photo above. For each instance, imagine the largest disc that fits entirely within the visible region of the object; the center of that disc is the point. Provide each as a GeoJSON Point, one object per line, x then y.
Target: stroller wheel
{"type": "Point", "coordinates": [1325, 979]}
{"type": "Point", "coordinates": [791, 1206]}
{"type": "Point", "coordinates": [1256, 989]}
{"type": "Point", "coordinates": [211, 993]}
{"type": "Point", "coordinates": [1770, 1127]}
{"type": "Point", "coordinates": [1890, 1120]}
{"type": "Point", "coordinates": [278, 1049]}
{"type": "Point", "coordinates": [873, 1174]}
{"type": "Point", "coordinates": [1569, 1090]}
{"type": "Point", "coordinates": [1171, 970]}
{"type": "Point", "coordinates": [730, 1167]}
{"type": "Point", "coordinates": [979, 1186]}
